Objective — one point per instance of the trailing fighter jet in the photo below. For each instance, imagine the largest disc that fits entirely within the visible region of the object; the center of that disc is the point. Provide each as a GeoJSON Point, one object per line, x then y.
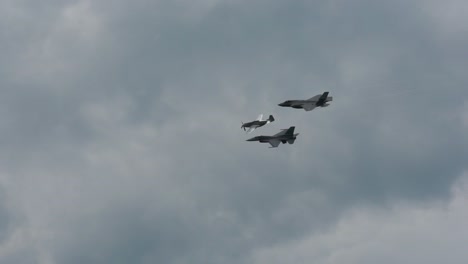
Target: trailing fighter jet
{"type": "Point", "coordinates": [257, 123]}
{"type": "Point", "coordinates": [286, 135]}
{"type": "Point", "coordinates": [319, 100]}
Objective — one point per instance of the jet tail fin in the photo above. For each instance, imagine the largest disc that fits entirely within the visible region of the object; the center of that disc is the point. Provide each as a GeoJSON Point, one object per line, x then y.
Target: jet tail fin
{"type": "Point", "coordinates": [323, 99]}
{"type": "Point", "coordinates": [271, 118]}
{"type": "Point", "coordinates": [324, 96]}
{"type": "Point", "coordinates": [290, 131]}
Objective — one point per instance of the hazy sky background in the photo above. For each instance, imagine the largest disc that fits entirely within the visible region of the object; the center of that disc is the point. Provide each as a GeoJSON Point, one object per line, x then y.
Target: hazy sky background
{"type": "Point", "coordinates": [121, 140]}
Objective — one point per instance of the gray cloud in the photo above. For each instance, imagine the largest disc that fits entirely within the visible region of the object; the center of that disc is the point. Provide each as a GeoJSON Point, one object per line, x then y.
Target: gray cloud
{"type": "Point", "coordinates": [121, 122]}
{"type": "Point", "coordinates": [422, 234]}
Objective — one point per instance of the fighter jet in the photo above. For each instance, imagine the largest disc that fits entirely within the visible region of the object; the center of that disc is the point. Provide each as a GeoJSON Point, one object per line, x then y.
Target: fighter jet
{"type": "Point", "coordinates": [257, 123]}
{"type": "Point", "coordinates": [309, 104]}
{"type": "Point", "coordinates": [286, 135]}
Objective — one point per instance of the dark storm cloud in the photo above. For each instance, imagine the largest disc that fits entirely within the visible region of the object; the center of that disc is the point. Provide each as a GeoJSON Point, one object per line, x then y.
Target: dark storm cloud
{"type": "Point", "coordinates": [125, 116]}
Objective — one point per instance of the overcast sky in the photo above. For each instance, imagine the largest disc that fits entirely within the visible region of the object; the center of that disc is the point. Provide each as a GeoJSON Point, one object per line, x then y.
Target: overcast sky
{"type": "Point", "coordinates": [121, 141]}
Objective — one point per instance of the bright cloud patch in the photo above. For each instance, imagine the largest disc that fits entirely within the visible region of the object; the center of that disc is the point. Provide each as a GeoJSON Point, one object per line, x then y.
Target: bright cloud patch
{"type": "Point", "coordinates": [432, 233]}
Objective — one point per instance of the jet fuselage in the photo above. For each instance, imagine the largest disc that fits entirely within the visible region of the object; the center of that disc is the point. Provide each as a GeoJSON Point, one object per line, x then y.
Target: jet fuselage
{"type": "Point", "coordinates": [266, 139]}
{"type": "Point", "coordinates": [293, 103]}
{"type": "Point", "coordinates": [309, 104]}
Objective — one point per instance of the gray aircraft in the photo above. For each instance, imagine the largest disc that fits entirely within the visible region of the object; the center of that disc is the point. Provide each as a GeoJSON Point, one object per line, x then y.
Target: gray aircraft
{"type": "Point", "coordinates": [286, 135]}
{"type": "Point", "coordinates": [257, 123]}
{"type": "Point", "coordinates": [319, 100]}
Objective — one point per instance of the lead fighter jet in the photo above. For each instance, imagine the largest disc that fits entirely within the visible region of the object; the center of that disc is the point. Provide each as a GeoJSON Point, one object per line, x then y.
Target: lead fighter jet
{"type": "Point", "coordinates": [257, 123]}
{"type": "Point", "coordinates": [309, 104]}
{"type": "Point", "coordinates": [286, 135]}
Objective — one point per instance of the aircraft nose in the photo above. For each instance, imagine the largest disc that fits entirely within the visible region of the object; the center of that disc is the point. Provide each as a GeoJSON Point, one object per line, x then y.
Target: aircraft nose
{"type": "Point", "coordinates": [283, 104]}
{"type": "Point", "coordinates": [252, 139]}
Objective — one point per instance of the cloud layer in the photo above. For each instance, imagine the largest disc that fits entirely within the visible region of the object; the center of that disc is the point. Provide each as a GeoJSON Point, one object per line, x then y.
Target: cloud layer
{"type": "Point", "coordinates": [121, 139]}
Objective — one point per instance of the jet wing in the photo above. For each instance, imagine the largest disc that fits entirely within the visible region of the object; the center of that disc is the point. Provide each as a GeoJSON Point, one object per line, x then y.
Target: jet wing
{"type": "Point", "coordinates": [288, 131]}
{"type": "Point", "coordinates": [274, 143]}
{"type": "Point", "coordinates": [260, 117]}
{"type": "Point", "coordinates": [309, 106]}
{"type": "Point", "coordinates": [283, 131]}
{"type": "Point", "coordinates": [251, 129]}
{"type": "Point", "coordinates": [315, 98]}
